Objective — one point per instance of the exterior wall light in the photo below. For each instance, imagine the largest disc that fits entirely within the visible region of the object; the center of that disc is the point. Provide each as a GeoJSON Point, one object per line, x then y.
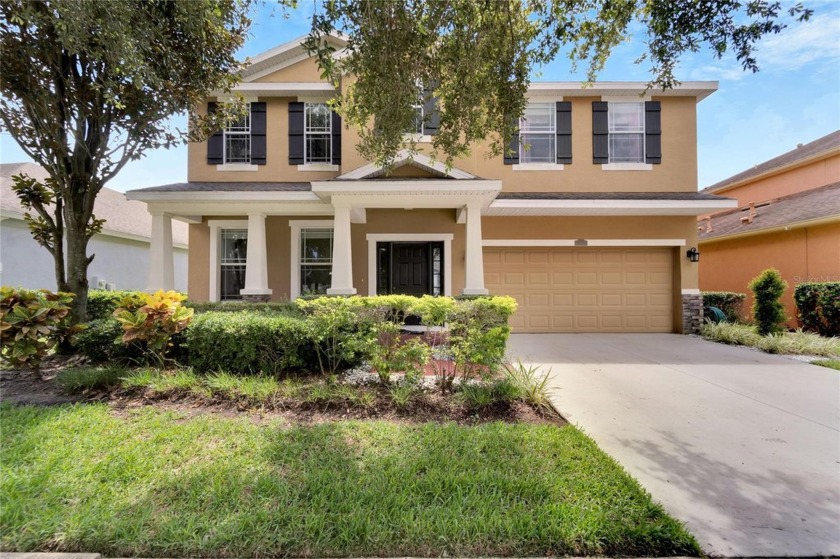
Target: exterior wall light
{"type": "Point", "coordinates": [693, 254]}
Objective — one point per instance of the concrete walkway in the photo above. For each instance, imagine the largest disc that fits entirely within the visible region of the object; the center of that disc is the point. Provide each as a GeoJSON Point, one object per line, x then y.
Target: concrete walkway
{"type": "Point", "coordinates": [742, 446]}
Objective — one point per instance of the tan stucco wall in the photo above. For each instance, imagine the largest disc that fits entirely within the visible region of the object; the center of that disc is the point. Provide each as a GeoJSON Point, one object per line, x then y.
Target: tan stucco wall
{"type": "Point", "coordinates": [304, 71]}
{"type": "Point", "coordinates": [798, 179]}
{"type": "Point", "coordinates": [805, 254]}
{"type": "Point", "coordinates": [198, 284]}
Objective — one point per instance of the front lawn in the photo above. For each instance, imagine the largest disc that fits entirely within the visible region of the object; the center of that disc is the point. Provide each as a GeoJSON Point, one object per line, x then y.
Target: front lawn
{"type": "Point", "coordinates": [155, 483]}
{"type": "Point", "coordinates": [830, 363]}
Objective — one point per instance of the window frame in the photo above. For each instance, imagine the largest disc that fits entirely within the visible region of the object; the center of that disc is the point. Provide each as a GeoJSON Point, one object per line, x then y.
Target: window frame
{"type": "Point", "coordinates": [216, 225]}
{"type": "Point", "coordinates": [295, 256]}
{"type": "Point", "coordinates": [245, 131]}
{"type": "Point", "coordinates": [524, 154]}
{"type": "Point", "coordinates": [307, 133]}
{"type": "Point", "coordinates": [610, 132]}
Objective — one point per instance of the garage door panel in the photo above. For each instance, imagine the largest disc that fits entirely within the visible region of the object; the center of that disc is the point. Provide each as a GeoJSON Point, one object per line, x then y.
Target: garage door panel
{"type": "Point", "coordinates": [572, 289]}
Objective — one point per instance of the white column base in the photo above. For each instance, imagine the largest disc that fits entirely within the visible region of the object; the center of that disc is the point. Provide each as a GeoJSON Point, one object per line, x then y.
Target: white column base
{"type": "Point", "coordinates": [255, 291]}
{"type": "Point", "coordinates": [341, 291]}
{"type": "Point", "coordinates": [475, 292]}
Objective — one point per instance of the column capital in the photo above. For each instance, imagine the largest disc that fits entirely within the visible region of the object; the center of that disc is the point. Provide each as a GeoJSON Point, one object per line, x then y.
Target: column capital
{"type": "Point", "coordinates": [257, 214]}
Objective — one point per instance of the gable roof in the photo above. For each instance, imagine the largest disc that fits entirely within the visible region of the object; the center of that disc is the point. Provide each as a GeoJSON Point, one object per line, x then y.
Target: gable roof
{"type": "Point", "coordinates": [282, 56]}
{"type": "Point", "coordinates": [123, 218]}
{"type": "Point", "coordinates": [826, 145]}
{"type": "Point", "coordinates": [403, 158]}
{"type": "Point", "coordinates": [818, 204]}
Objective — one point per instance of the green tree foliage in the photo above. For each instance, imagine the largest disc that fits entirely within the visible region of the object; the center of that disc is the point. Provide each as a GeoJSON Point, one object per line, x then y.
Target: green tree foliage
{"type": "Point", "coordinates": [768, 312]}
{"type": "Point", "coordinates": [89, 86]}
{"type": "Point", "coordinates": [477, 56]}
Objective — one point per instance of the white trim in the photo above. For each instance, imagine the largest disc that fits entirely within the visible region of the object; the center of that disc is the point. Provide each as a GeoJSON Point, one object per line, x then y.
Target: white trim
{"type": "Point", "coordinates": [294, 251]}
{"type": "Point", "coordinates": [607, 207]}
{"type": "Point", "coordinates": [402, 158]}
{"type": "Point", "coordinates": [690, 292]}
{"type": "Point", "coordinates": [278, 89]}
{"type": "Point", "coordinates": [589, 242]}
{"type": "Point", "coordinates": [626, 98]}
{"type": "Point", "coordinates": [538, 167]}
{"type": "Point", "coordinates": [216, 225]}
{"type": "Point", "coordinates": [373, 238]}
{"type": "Point", "coordinates": [237, 167]}
{"type": "Point", "coordinates": [627, 166]}
{"type": "Point", "coordinates": [318, 167]}
{"type": "Point", "coordinates": [226, 196]}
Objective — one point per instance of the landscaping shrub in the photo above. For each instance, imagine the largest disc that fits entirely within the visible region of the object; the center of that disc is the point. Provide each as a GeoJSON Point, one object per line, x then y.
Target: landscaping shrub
{"type": "Point", "coordinates": [818, 307]}
{"type": "Point", "coordinates": [532, 384]}
{"type": "Point", "coordinates": [391, 354]}
{"type": "Point", "coordinates": [32, 322]}
{"type": "Point", "coordinates": [239, 306]}
{"type": "Point", "coordinates": [480, 395]}
{"type": "Point", "coordinates": [730, 303]}
{"type": "Point", "coordinates": [102, 304]}
{"type": "Point", "coordinates": [153, 320]}
{"type": "Point", "coordinates": [101, 342]}
{"type": "Point", "coordinates": [247, 342]}
{"type": "Point", "coordinates": [768, 312]}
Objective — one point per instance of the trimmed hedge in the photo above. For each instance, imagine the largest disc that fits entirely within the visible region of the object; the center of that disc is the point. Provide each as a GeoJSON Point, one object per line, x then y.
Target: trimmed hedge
{"type": "Point", "coordinates": [102, 304]}
{"type": "Point", "coordinates": [239, 306]}
{"type": "Point", "coordinates": [818, 307]}
{"type": "Point", "coordinates": [732, 304]}
{"type": "Point", "coordinates": [248, 342]}
{"type": "Point", "coordinates": [101, 342]}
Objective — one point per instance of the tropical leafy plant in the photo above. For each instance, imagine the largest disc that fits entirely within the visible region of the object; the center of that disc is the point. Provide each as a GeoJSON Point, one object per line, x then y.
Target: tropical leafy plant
{"type": "Point", "coordinates": [32, 323]}
{"type": "Point", "coordinates": [155, 322]}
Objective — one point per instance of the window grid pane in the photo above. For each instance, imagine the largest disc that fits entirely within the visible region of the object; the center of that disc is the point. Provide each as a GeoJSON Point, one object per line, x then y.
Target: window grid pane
{"type": "Point", "coordinates": [627, 148]}
{"type": "Point", "coordinates": [315, 261]}
{"type": "Point", "coordinates": [627, 117]}
{"type": "Point", "coordinates": [418, 120]}
{"type": "Point", "coordinates": [537, 148]}
{"type": "Point", "coordinates": [538, 117]}
{"type": "Point", "coordinates": [234, 248]}
{"type": "Point", "coordinates": [237, 148]}
{"type": "Point", "coordinates": [317, 133]}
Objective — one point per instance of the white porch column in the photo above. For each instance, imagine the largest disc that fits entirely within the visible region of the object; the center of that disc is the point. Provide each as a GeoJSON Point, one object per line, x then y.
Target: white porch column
{"type": "Point", "coordinates": [474, 284]}
{"type": "Point", "coordinates": [256, 261]}
{"type": "Point", "coordinates": [342, 259]}
{"type": "Point", "coordinates": [161, 267]}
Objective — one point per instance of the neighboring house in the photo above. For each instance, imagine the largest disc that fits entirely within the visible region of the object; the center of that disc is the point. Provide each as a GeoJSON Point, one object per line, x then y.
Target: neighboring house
{"type": "Point", "coordinates": [121, 249]}
{"type": "Point", "coordinates": [588, 229]}
{"type": "Point", "coordinates": [788, 218]}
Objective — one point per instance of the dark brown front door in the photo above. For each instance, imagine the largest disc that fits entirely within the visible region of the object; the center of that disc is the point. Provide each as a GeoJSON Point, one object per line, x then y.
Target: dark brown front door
{"type": "Point", "coordinates": [410, 268]}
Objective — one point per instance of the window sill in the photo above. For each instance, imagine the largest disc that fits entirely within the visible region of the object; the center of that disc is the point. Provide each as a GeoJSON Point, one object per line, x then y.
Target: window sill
{"type": "Point", "coordinates": [237, 167]}
{"type": "Point", "coordinates": [419, 138]}
{"type": "Point", "coordinates": [627, 167]}
{"type": "Point", "coordinates": [538, 167]}
{"type": "Point", "coordinates": [311, 167]}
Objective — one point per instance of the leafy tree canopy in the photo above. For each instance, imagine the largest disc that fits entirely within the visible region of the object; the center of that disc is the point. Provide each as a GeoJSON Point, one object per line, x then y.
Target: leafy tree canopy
{"type": "Point", "coordinates": [89, 85]}
{"type": "Point", "coordinates": [477, 55]}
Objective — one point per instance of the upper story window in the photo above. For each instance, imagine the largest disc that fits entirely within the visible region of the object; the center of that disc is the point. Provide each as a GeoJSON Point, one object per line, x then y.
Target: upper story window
{"type": "Point", "coordinates": [417, 128]}
{"type": "Point", "coordinates": [237, 140]}
{"type": "Point", "coordinates": [537, 133]}
{"type": "Point", "coordinates": [626, 132]}
{"type": "Point", "coordinates": [317, 133]}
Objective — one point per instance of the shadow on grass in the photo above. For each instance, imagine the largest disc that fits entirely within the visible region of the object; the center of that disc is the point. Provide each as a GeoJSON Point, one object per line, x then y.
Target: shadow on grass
{"type": "Point", "coordinates": [160, 485]}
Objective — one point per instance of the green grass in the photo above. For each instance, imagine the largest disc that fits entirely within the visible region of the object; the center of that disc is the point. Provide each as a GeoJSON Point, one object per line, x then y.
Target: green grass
{"type": "Point", "coordinates": [830, 363]}
{"type": "Point", "coordinates": [80, 379]}
{"type": "Point", "coordinates": [158, 484]}
{"type": "Point", "coordinates": [785, 343]}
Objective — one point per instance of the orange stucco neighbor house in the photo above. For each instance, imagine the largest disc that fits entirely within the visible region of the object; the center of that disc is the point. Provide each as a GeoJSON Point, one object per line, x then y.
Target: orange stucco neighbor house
{"type": "Point", "coordinates": [788, 217]}
{"type": "Point", "coordinates": [586, 221]}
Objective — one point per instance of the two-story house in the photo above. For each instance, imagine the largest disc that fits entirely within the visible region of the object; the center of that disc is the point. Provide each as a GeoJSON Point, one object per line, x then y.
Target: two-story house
{"type": "Point", "coordinates": [588, 223]}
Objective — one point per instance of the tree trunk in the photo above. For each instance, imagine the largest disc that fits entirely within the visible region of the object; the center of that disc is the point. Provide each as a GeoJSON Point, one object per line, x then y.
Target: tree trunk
{"type": "Point", "coordinates": [75, 227]}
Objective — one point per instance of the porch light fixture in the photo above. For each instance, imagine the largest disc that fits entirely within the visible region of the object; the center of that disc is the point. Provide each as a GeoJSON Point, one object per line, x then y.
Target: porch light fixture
{"type": "Point", "coordinates": [693, 254]}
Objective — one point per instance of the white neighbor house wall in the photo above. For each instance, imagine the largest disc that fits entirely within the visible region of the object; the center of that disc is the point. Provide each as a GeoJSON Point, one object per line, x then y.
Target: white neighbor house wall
{"type": "Point", "coordinates": [123, 262]}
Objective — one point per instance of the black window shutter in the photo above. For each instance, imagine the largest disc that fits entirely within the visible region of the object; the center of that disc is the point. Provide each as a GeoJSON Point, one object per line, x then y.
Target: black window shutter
{"type": "Point", "coordinates": [215, 143]}
{"type": "Point", "coordinates": [431, 116]}
{"type": "Point", "coordinates": [258, 126]}
{"type": "Point", "coordinates": [336, 138]}
{"type": "Point", "coordinates": [296, 133]}
{"type": "Point", "coordinates": [600, 132]}
{"type": "Point", "coordinates": [564, 132]}
{"type": "Point", "coordinates": [653, 133]}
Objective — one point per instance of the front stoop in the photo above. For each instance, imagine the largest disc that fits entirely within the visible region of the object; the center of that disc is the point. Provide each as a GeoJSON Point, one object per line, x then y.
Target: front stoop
{"type": "Point", "coordinates": [692, 313]}
{"type": "Point", "coordinates": [262, 298]}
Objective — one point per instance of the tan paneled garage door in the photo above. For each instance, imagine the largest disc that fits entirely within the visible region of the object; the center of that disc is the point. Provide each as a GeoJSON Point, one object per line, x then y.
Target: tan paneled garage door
{"type": "Point", "coordinates": [576, 289]}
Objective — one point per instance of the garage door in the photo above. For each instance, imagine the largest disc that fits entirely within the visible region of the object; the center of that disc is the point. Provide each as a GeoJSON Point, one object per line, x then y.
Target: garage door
{"type": "Point", "coordinates": [574, 289]}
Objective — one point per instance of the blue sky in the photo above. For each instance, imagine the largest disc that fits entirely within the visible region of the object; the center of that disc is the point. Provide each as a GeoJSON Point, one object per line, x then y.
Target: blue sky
{"type": "Point", "coordinates": [795, 98]}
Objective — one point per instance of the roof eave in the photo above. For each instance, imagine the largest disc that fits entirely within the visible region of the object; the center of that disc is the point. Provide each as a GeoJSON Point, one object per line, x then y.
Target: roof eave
{"type": "Point", "coordinates": [774, 229]}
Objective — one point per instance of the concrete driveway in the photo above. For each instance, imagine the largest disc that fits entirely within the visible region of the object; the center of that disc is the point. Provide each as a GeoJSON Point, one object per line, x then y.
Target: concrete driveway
{"type": "Point", "coordinates": [742, 446]}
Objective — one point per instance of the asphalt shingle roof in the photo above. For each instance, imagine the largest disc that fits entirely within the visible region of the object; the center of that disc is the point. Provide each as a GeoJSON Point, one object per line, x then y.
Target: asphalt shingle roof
{"type": "Point", "coordinates": [826, 143]}
{"type": "Point", "coordinates": [229, 187]}
{"type": "Point", "coordinates": [823, 202]}
{"type": "Point", "coordinates": [120, 215]}
{"type": "Point", "coordinates": [608, 196]}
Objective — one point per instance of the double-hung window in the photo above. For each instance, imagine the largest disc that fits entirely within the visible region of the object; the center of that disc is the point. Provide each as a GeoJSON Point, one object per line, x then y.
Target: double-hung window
{"type": "Point", "coordinates": [317, 143]}
{"type": "Point", "coordinates": [537, 134]}
{"type": "Point", "coordinates": [237, 140]}
{"type": "Point", "coordinates": [315, 260]}
{"type": "Point", "coordinates": [627, 132]}
{"type": "Point", "coordinates": [234, 248]}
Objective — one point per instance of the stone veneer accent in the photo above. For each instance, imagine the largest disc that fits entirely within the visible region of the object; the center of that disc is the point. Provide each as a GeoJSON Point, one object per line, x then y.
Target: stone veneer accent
{"type": "Point", "coordinates": [256, 298]}
{"type": "Point", "coordinates": [692, 313]}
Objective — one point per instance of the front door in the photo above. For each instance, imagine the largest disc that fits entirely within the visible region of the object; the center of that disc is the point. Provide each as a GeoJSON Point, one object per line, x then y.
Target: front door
{"type": "Point", "coordinates": [410, 268]}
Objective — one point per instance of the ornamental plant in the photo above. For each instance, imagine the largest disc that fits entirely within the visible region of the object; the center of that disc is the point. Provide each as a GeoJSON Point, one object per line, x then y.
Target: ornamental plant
{"type": "Point", "coordinates": [154, 320]}
{"type": "Point", "coordinates": [32, 323]}
{"type": "Point", "coordinates": [391, 354]}
{"type": "Point", "coordinates": [818, 307]}
{"type": "Point", "coordinates": [768, 311]}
